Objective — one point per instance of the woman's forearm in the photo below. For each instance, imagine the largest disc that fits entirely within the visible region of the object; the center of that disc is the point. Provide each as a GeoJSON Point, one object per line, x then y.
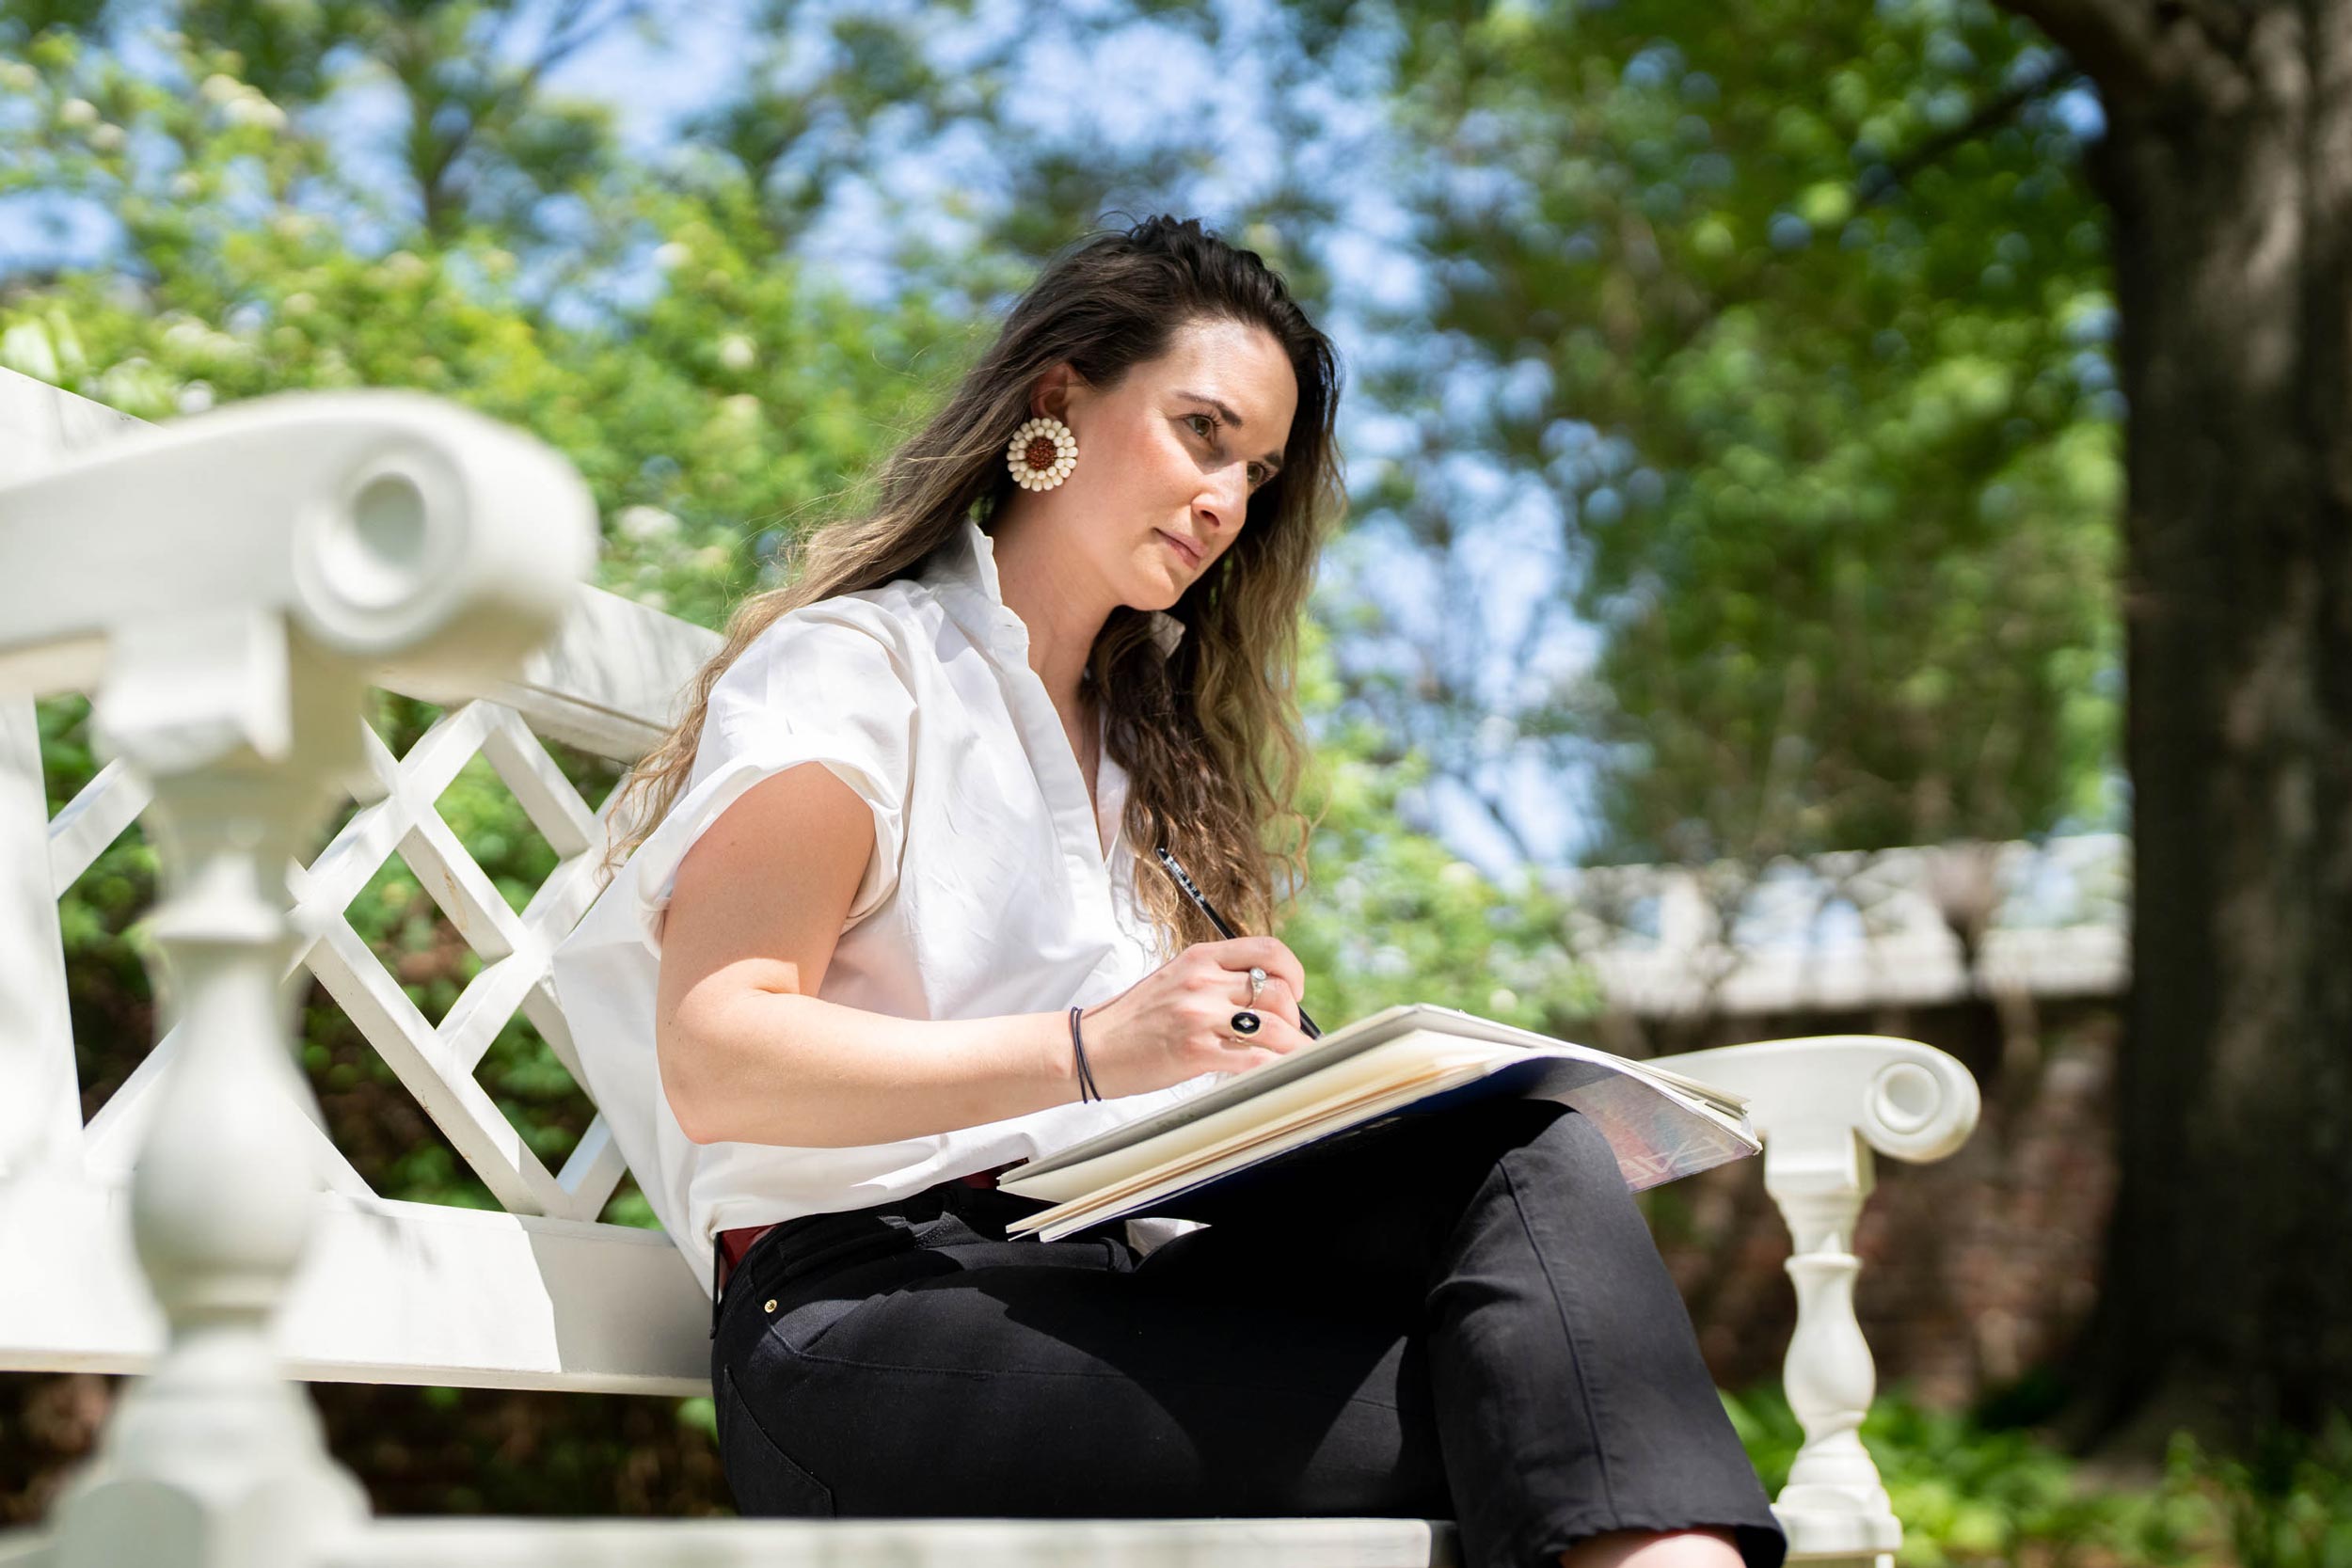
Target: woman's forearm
{"type": "Point", "coordinates": [781, 1068]}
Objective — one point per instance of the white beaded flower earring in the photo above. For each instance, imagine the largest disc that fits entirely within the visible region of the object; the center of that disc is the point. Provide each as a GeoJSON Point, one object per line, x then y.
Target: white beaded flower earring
{"type": "Point", "coordinates": [1042, 453]}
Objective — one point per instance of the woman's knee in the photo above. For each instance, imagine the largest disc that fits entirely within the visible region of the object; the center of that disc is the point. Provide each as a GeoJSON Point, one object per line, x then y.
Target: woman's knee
{"type": "Point", "coordinates": [1551, 1130]}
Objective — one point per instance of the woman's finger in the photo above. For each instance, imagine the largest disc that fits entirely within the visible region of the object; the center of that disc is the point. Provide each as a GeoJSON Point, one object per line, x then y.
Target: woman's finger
{"type": "Point", "coordinates": [1288, 969]}
{"type": "Point", "coordinates": [1271, 954]}
{"type": "Point", "coordinates": [1275, 1032]}
{"type": "Point", "coordinates": [1275, 996]}
{"type": "Point", "coordinates": [1268, 953]}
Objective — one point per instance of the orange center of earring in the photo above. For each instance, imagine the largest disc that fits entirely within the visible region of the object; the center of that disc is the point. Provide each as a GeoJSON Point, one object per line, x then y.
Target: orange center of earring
{"type": "Point", "coordinates": [1041, 452]}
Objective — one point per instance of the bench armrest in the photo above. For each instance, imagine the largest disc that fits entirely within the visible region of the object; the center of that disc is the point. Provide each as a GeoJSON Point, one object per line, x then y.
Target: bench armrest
{"type": "Point", "coordinates": [333, 533]}
{"type": "Point", "coordinates": [1824, 1105]}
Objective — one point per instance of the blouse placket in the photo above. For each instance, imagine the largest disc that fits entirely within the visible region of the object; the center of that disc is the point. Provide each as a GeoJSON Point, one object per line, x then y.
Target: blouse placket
{"type": "Point", "coordinates": [980, 610]}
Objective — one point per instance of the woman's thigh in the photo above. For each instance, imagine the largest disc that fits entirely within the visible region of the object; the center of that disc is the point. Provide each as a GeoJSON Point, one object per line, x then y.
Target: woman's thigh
{"type": "Point", "coordinates": [1042, 1380]}
{"type": "Point", "coordinates": [1373, 1212]}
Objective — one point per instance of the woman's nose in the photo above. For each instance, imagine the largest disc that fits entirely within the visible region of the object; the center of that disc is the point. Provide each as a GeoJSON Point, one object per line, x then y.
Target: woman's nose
{"type": "Point", "coordinates": [1225, 510]}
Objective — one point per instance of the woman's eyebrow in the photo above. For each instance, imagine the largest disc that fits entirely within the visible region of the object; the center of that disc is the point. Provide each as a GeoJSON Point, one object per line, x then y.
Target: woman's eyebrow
{"type": "Point", "coordinates": [1273, 459]}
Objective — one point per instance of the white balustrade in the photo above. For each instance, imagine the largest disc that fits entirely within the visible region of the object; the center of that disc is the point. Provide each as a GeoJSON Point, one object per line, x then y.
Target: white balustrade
{"type": "Point", "coordinates": [337, 531]}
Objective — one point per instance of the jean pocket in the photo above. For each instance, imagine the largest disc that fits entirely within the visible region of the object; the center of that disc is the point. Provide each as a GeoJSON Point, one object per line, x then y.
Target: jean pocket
{"type": "Point", "coordinates": [800, 1325]}
{"type": "Point", "coordinates": [767, 1482]}
{"type": "Point", "coordinates": [810, 1308]}
{"type": "Point", "coordinates": [819, 1247]}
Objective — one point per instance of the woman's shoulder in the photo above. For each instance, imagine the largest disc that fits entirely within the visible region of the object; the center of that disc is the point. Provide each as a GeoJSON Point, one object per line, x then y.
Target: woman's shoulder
{"type": "Point", "coordinates": [893, 624]}
{"type": "Point", "coordinates": [846, 671]}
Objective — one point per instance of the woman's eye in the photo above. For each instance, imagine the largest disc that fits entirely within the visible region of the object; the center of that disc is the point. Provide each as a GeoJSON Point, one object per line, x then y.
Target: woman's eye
{"type": "Point", "coordinates": [1209, 419]}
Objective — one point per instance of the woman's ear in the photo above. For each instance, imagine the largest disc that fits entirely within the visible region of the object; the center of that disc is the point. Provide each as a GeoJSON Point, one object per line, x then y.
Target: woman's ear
{"type": "Point", "coordinates": [1052, 391]}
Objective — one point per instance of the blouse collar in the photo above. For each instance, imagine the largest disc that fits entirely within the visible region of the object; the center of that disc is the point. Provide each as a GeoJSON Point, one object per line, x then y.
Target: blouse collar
{"type": "Point", "coordinates": [964, 574]}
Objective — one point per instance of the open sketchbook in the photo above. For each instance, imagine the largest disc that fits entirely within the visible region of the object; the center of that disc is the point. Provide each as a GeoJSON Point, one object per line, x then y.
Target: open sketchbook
{"type": "Point", "coordinates": [1409, 1059]}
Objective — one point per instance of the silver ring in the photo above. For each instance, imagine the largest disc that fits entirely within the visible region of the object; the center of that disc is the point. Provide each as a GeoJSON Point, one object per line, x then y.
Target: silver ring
{"type": "Point", "coordinates": [1257, 983]}
{"type": "Point", "coordinates": [1245, 1023]}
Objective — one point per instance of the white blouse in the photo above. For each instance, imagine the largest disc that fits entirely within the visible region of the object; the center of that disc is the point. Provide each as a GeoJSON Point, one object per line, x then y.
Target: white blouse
{"type": "Point", "coordinates": [989, 891]}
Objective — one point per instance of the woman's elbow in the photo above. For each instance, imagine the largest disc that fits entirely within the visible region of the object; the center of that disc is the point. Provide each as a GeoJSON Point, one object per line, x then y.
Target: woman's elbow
{"type": "Point", "coordinates": [679, 1056]}
{"type": "Point", "coordinates": [720, 1057]}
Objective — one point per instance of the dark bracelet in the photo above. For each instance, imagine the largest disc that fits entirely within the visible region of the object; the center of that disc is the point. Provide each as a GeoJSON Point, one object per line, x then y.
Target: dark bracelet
{"type": "Point", "coordinates": [1085, 1074]}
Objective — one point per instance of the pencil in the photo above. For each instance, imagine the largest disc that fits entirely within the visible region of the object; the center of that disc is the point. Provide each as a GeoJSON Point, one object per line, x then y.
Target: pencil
{"type": "Point", "coordinates": [1306, 1024]}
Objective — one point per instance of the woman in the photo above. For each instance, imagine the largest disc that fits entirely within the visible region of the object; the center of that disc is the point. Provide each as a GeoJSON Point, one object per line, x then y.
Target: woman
{"type": "Point", "coordinates": [884, 929]}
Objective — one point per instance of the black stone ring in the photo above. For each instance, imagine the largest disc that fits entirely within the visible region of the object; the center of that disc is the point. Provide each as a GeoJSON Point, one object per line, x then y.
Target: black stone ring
{"type": "Point", "coordinates": [1244, 1023]}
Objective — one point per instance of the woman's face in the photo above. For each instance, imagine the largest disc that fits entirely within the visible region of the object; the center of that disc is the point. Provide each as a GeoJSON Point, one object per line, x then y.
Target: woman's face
{"type": "Point", "coordinates": [1168, 459]}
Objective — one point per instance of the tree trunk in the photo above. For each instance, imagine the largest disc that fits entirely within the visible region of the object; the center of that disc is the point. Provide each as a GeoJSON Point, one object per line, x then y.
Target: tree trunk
{"type": "Point", "coordinates": [2227, 164]}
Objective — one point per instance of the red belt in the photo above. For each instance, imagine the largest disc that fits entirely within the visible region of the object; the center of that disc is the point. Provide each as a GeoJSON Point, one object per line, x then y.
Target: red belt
{"type": "Point", "coordinates": [733, 1243]}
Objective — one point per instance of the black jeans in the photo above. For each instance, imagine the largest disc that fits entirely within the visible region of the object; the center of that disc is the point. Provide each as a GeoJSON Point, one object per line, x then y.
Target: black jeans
{"type": "Point", "coordinates": [1459, 1315]}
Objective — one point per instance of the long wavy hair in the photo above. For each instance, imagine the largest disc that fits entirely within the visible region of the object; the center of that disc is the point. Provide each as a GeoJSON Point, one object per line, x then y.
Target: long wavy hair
{"type": "Point", "coordinates": [1209, 736]}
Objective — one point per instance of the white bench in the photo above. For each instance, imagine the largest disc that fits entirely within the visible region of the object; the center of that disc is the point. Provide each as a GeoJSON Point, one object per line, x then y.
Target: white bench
{"type": "Point", "coordinates": [226, 588]}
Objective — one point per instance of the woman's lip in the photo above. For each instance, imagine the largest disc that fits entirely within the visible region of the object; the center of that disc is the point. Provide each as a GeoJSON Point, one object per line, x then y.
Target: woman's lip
{"type": "Point", "coordinates": [1183, 550]}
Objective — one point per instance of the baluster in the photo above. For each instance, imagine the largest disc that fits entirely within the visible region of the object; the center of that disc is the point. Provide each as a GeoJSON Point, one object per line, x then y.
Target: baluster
{"type": "Point", "coordinates": [1820, 1175]}
{"type": "Point", "coordinates": [214, 1458]}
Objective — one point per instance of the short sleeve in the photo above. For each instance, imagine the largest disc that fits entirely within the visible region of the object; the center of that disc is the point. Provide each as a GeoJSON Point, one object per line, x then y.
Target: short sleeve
{"type": "Point", "coordinates": [827, 682]}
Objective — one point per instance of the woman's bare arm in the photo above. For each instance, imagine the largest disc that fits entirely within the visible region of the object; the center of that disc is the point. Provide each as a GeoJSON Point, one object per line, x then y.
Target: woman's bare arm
{"type": "Point", "coordinates": [749, 1052]}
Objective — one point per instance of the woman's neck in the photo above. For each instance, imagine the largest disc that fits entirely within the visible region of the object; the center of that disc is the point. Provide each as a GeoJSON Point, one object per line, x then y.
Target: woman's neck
{"type": "Point", "coordinates": [1059, 602]}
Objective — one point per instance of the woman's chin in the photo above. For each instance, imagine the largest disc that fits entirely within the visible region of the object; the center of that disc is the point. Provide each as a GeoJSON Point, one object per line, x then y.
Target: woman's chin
{"type": "Point", "coordinates": [1158, 589]}
{"type": "Point", "coordinates": [1149, 602]}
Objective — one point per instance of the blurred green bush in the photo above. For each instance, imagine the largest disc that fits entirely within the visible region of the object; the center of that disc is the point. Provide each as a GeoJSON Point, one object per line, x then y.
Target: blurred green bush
{"type": "Point", "coordinates": [1970, 1491]}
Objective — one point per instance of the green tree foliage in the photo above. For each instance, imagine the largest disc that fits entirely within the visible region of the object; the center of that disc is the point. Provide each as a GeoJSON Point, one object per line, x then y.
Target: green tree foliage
{"type": "Point", "coordinates": [1797, 313]}
{"type": "Point", "coordinates": [1394, 915]}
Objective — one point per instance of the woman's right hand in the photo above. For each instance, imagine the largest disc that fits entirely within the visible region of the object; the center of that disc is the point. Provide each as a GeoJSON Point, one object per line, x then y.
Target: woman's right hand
{"type": "Point", "coordinates": [1177, 1021]}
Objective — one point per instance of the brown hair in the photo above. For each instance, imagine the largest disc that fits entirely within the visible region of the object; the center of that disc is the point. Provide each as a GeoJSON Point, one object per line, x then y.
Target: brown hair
{"type": "Point", "coordinates": [1210, 738]}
